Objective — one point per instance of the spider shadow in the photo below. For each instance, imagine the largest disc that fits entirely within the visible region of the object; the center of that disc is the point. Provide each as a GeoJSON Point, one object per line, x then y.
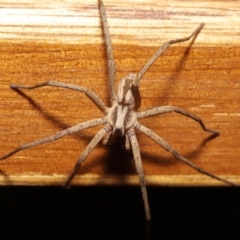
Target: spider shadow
{"type": "Point", "coordinates": [163, 99]}
{"type": "Point", "coordinates": [171, 160]}
{"type": "Point", "coordinates": [48, 116]}
{"type": "Point", "coordinates": [118, 160]}
{"type": "Point", "coordinates": [56, 122]}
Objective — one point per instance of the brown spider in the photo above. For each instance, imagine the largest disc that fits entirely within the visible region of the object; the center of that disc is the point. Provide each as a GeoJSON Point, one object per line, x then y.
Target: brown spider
{"type": "Point", "coordinates": [122, 117]}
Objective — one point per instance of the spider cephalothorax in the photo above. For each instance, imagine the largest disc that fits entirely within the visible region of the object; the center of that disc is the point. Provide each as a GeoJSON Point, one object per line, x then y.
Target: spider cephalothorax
{"type": "Point", "coordinates": [122, 117]}
{"type": "Point", "coordinates": [122, 114]}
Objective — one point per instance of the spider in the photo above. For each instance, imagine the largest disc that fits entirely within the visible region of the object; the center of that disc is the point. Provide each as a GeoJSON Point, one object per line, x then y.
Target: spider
{"type": "Point", "coordinates": [122, 117]}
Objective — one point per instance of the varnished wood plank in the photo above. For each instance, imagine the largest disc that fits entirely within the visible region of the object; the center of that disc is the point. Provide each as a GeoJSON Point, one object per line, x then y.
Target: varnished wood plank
{"type": "Point", "coordinates": [63, 41]}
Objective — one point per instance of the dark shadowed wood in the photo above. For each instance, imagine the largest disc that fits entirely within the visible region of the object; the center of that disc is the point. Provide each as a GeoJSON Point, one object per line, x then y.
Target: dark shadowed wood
{"type": "Point", "coordinates": [63, 42]}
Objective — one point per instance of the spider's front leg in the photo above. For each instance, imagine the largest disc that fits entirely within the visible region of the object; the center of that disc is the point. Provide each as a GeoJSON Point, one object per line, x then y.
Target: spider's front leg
{"type": "Point", "coordinates": [160, 51]}
{"type": "Point", "coordinates": [110, 61]}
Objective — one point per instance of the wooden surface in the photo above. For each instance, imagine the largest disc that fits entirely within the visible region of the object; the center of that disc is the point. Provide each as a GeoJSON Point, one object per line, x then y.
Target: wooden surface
{"type": "Point", "coordinates": [63, 41]}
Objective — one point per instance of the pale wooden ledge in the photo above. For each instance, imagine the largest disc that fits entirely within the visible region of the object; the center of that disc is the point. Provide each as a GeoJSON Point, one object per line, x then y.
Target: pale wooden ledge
{"type": "Point", "coordinates": [63, 41]}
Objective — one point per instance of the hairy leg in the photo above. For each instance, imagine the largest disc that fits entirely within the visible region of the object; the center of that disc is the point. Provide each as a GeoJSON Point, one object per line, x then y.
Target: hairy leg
{"type": "Point", "coordinates": [68, 131]}
{"type": "Point", "coordinates": [138, 162]}
{"type": "Point", "coordinates": [110, 61]}
{"type": "Point", "coordinates": [93, 96]}
{"type": "Point", "coordinates": [170, 149]}
{"type": "Point", "coordinates": [161, 50]}
{"type": "Point", "coordinates": [169, 109]}
{"type": "Point", "coordinates": [96, 139]}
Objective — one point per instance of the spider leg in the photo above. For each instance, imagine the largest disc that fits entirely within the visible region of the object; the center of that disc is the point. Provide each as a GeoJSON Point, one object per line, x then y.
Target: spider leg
{"type": "Point", "coordinates": [60, 134]}
{"type": "Point", "coordinates": [106, 138]}
{"type": "Point", "coordinates": [127, 143]}
{"type": "Point", "coordinates": [138, 162]}
{"type": "Point", "coordinates": [169, 109]}
{"type": "Point", "coordinates": [161, 50]}
{"type": "Point", "coordinates": [170, 149]}
{"type": "Point", "coordinates": [111, 64]}
{"type": "Point", "coordinates": [96, 139]}
{"type": "Point", "coordinates": [90, 94]}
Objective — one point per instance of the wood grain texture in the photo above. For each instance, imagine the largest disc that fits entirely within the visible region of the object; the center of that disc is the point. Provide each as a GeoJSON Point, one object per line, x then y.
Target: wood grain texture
{"type": "Point", "coordinates": [63, 41]}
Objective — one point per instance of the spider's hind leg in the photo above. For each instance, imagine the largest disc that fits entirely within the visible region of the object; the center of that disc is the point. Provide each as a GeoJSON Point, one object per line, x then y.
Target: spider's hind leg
{"type": "Point", "coordinates": [177, 155]}
{"type": "Point", "coordinates": [107, 137]}
{"type": "Point", "coordinates": [96, 139]}
{"type": "Point", "coordinates": [127, 142]}
{"type": "Point", "coordinates": [138, 162]}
